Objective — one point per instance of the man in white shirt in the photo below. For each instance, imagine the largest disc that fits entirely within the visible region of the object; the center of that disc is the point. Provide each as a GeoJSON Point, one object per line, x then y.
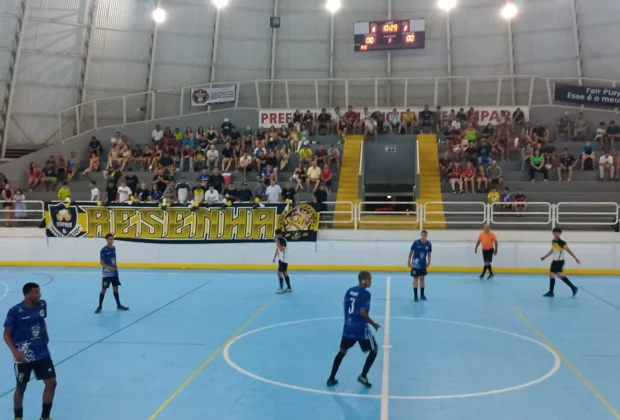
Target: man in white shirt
{"type": "Point", "coordinates": [314, 176]}
{"type": "Point", "coordinates": [94, 192]}
{"type": "Point", "coordinates": [213, 157]}
{"type": "Point", "coordinates": [274, 192]}
{"type": "Point", "coordinates": [123, 193]}
{"type": "Point", "coordinates": [370, 132]}
{"type": "Point", "coordinates": [212, 196]}
{"type": "Point", "coordinates": [181, 191]}
{"type": "Point", "coordinates": [246, 163]}
{"type": "Point", "coordinates": [157, 134]}
{"type": "Point", "coordinates": [606, 163]}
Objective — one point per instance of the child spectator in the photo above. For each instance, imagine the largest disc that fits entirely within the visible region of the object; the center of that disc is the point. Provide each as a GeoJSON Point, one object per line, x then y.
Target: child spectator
{"type": "Point", "coordinates": [506, 199]}
{"type": "Point", "coordinates": [493, 196]}
{"type": "Point", "coordinates": [64, 192]}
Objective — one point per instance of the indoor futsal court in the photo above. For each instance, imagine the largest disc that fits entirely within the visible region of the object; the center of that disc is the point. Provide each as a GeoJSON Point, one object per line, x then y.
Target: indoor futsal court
{"type": "Point", "coordinates": [223, 345]}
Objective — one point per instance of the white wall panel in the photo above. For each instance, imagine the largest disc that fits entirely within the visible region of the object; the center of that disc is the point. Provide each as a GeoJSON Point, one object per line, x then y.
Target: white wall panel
{"type": "Point", "coordinates": [600, 32]}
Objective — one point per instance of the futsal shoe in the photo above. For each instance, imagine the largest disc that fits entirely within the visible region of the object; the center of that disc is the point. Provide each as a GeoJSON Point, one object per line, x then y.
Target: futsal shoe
{"type": "Point", "coordinates": [289, 290]}
{"type": "Point", "coordinates": [332, 382]}
{"type": "Point", "coordinates": [481, 276]}
{"type": "Point", "coordinates": [491, 277]}
{"type": "Point", "coordinates": [423, 297]}
{"type": "Point", "coordinates": [550, 294]}
{"type": "Point", "coordinates": [415, 299]}
{"type": "Point", "coordinates": [364, 381]}
{"type": "Point", "coordinates": [98, 310]}
{"type": "Point", "coordinates": [575, 291]}
{"type": "Point", "coordinates": [280, 291]}
{"type": "Point", "coordinates": [122, 308]}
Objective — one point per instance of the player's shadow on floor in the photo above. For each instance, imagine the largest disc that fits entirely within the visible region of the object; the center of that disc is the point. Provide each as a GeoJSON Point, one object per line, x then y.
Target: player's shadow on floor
{"type": "Point", "coordinates": [352, 413]}
{"type": "Point", "coordinates": [414, 309]}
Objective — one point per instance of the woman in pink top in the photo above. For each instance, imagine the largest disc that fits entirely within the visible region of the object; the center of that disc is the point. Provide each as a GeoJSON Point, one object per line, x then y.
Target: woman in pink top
{"type": "Point", "coordinates": [35, 176]}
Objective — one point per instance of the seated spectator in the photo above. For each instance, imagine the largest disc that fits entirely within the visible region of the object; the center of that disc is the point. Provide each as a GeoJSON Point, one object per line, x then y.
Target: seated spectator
{"type": "Point", "coordinates": [438, 119]}
{"type": "Point", "coordinates": [305, 155]}
{"type": "Point", "coordinates": [493, 196]}
{"type": "Point", "coordinates": [294, 135]}
{"type": "Point", "coordinates": [300, 176]}
{"type": "Point", "coordinates": [284, 156]}
{"type": "Point", "coordinates": [114, 157]}
{"type": "Point", "coordinates": [481, 179]}
{"type": "Point", "coordinates": [494, 174]}
{"type": "Point", "coordinates": [123, 192]}
{"type": "Point", "coordinates": [484, 154]}
{"type": "Point", "coordinates": [326, 177]}
{"type": "Point", "coordinates": [199, 190]}
{"type": "Point", "coordinates": [456, 178]}
{"type": "Point", "coordinates": [181, 191]}
{"type": "Point", "coordinates": [606, 164]}
{"type": "Point", "coordinates": [409, 121]}
{"type": "Point", "coordinates": [337, 118]}
{"type": "Point", "coordinates": [581, 127]}
{"type": "Point", "coordinates": [445, 166]}
{"type": "Point", "coordinates": [488, 133]}
{"type": "Point", "coordinates": [333, 156]}
{"type": "Point", "coordinates": [613, 133]}
{"type": "Point", "coordinates": [110, 193]}
{"type": "Point", "coordinates": [200, 159]}
{"type": "Point", "coordinates": [272, 159]}
{"type": "Point", "coordinates": [462, 118]}
{"type": "Point", "coordinates": [235, 137]}
{"type": "Point", "coordinates": [167, 163]}
{"type": "Point", "coordinates": [503, 143]}
{"type": "Point", "coordinates": [116, 138]}
{"type": "Point", "coordinates": [426, 117]}
{"type": "Point", "coordinates": [61, 168]}
{"type": "Point", "coordinates": [155, 196]}
{"type": "Point", "coordinates": [518, 118]}
{"type": "Point", "coordinates": [304, 137]}
{"type": "Point", "coordinates": [231, 193]}
{"type": "Point", "coordinates": [132, 181]}
{"type": "Point", "coordinates": [212, 135]}
{"type": "Point", "coordinates": [7, 198]}
{"type": "Point", "coordinates": [188, 140]}
{"type": "Point", "coordinates": [308, 121]}
{"type": "Point", "coordinates": [537, 165]}
{"type": "Point", "coordinates": [370, 129]}
{"type": "Point", "coordinates": [247, 137]}
{"type": "Point", "coordinates": [168, 140]}
{"type": "Point", "coordinates": [471, 117]}
{"type": "Point", "coordinates": [548, 152]}
{"type": "Point", "coordinates": [157, 135]}
{"type": "Point", "coordinates": [601, 134]}
{"type": "Point", "coordinates": [168, 194]}
{"type": "Point", "coordinates": [227, 157]}
{"type": "Point", "coordinates": [226, 128]}
{"type": "Point", "coordinates": [178, 138]}
{"type": "Point", "coordinates": [160, 181]}
{"type": "Point", "coordinates": [539, 133]}
{"type": "Point", "coordinates": [126, 156]}
{"type": "Point", "coordinates": [35, 176]}
{"type": "Point", "coordinates": [212, 196]}
{"type": "Point", "coordinates": [587, 156]}
{"type": "Point", "coordinates": [526, 155]}
{"type": "Point", "coordinates": [142, 193]}
{"type": "Point", "coordinates": [452, 137]}
{"type": "Point", "coordinates": [267, 175]}
{"type": "Point", "coordinates": [213, 158]}
{"type": "Point", "coordinates": [245, 164]}
{"type": "Point", "coordinates": [506, 200]}
{"type": "Point", "coordinates": [314, 176]}
{"type": "Point", "coordinates": [284, 137]}
{"type": "Point", "coordinates": [321, 155]}
{"type": "Point", "coordinates": [260, 158]}
{"type": "Point", "coordinates": [469, 175]}
{"type": "Point", "coordinates": [274, 192]}
{"type": "Point", "coordinates": [157, 155]}
{"type": "Point", "coordinates": [200, 135]}
{"type": "Point", "coordinates": [567, 164]}
{"type": "Point", "coordinates": [245, 194]}
{"type": "Point", "coordinates": [520, 202]}
{"type": "Point", "coordinates": [352, 121]}
{"type": "Point", "coordinates": [323, 122]}
{"type": "Point", "coordinates": [51, 178]}
{"type": "Point", "coordinates": [379, 118]}
{"type": "Point", "coordinates": [564, 126]}
{"type": "Point", "coordinates": [471, 134]}
{"type": "Point", "coordinates": [288, 193]}
{"type": "Point", "coordinates": [526, 134]}
{"type": "Point", "coordinates": [394, 122]}
{"type": "Point", "coordinates": [94, 146]}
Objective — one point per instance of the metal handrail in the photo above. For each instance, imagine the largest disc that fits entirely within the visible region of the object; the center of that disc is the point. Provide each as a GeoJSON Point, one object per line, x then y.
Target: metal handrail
{"type": "Point", "coordinates": [350, 212]}
{"type": "Point", "coordinates": [13, 211]}
{"type": "Point", "coordinates": [527, 220]}
{"type": "Point", "coordinates": [444, 212]}
{"type": "Point", "coordinates": [613, 215]}
{"type": "Point", "coordinates": [404, 217]}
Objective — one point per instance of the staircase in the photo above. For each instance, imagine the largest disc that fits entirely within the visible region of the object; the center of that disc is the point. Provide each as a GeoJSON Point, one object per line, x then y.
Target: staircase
{"type": "Point", "coordinates": [348, 187]}
{"type": "Point", "coordinates": [430, 181]}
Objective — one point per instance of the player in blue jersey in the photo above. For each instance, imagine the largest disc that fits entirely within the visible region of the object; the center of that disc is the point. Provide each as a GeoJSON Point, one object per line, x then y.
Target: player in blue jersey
{"type": "Point", "coordinates": [356, 330]}
{"type": "Point", "coordinates": [25, 333]}
{"type": "Point", "coordinates": [107, 259]}
{"type": "Point", "coordinates": [419, 261]}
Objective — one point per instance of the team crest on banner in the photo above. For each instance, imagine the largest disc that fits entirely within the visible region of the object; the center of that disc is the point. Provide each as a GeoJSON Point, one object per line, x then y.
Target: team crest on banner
{"type": "Point", "coordinates": [297, 221]}
{"type": "Point", "coordinates": [200, 96]}
{"type": "Point", "coordinates": [63, 221]}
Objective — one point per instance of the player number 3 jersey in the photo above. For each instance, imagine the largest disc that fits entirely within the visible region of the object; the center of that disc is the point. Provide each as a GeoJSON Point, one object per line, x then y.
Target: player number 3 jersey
{"type": "Point", "coordinates": [356, 299]}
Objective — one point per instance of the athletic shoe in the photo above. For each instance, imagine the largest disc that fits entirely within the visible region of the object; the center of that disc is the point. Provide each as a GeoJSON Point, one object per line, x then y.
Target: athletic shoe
{"type": "Point", "coordinates": [280, 291]}
{"type": "Point", "coordinates": [98, 310]}
{"type": "Point", "coordinates": [288, 290]}
{"type": "Point", "coordinates": [481, 276]}
{"type": "Point", "coordinates": [575, 290]}
{"type": "Point", "coordinates": [122, 308]}
{"type": "Point", "coordinates": [423, 297]}
{"type": "Point", "coordinates": [332, 382]}
{"type": "Point", "coordinates": [364, 381]}
{"type": "Point", "coordinates": [415, 299]}
{"type": "Point", "coordinates": [549, 294]}
{"type": "Point", "coordinates": [491, 277]}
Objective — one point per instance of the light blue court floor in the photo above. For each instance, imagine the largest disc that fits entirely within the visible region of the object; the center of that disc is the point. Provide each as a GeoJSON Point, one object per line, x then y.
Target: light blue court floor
{"type": "Point", "coordinates": [222, 346]}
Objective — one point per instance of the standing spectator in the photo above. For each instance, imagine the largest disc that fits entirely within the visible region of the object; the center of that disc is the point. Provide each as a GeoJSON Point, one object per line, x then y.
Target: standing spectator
{"type": "Point", "coordinates": [587, 156]}
{"type": "Point", "coordinates": [314, 176]}
{"type": "Point", "coordinates": [456, 178]}
{"type": "Point", "coordinates": [445, 166]}
{"type": "Point", "coordinates": [613, 133]}
{"type": "Point", "coordinates": [157, 135]}
{"type": "Point", "coordinates": [323, 122]}
{"type": "Point", "coordinates": [64, 192]}
{"type": "Point", "coordinates": [518, 119]}
{"type": "Point", "coordinates": [274, 192]}
{"type": "Point", "coordinates": [320, 198]}
{"type": "Point", "coordinates": [123, 193]}
{"type": "Point", "coordinates": [494, 174]}
{"type": "Point", "coordinates": [226, 129]}
{"type": "Point", "coordinates": [94, 146]}
{"type": "Point", "coordinates": [7, 203]}
{"type": "Point", "coordinates": [181, 191]}
{"type": "Point", "coordinates": [213, 157]}
{"type": "Point", "coordinates": [95, 195]}
{"type": "Point", "coordinates": [132, 181]}
{"type": "Point", "coordinates": [606, 163]}
{"type": "Point", "coordinates": [297, 119]}
{"type": "Point", "coordinates": [217, 180]}
{"type": "Point", "coordinates": [469, 175]}
{"type": "Point", "coordinates": [537, 164]}
{"type": "Point", "coordinates": [289, 193]}
{"type": "Point", "coordinates": [245, 194]}
{"type": "Point", "coordinates": [567, 164]}
{"type": "Point", "coordinates": [110, 193]}
{"type": "Point", "coordinates": [19, 204]}
{"type": "Point", "coordinates": [212, 196]}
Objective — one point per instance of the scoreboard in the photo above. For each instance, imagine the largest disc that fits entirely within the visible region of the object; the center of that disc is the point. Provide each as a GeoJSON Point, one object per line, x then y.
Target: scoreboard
{"type": "Point", "coordinates": [386, 35]}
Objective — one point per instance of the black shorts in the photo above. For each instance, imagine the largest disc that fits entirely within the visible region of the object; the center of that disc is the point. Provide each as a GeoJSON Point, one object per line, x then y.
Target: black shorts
{"type": "Point", "coordinates": [487, 255]}
{"type": "Point", "coordinates": [43, 369]}
{"type": "Point", "coordinates": [366, 344]}
{"type": "Point", "coordinates": [418, 272]}
{"type": "Point", "coordinates": [107, 281]}
{"type": "Point", "coordinates": [556, 267]}
{"type": "Point", "coordinates": [282, 267]}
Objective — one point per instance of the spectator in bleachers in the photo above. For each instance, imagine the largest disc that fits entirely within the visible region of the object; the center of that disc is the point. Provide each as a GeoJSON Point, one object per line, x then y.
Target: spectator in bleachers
{"type": "Point", "coordinates": [213, 157]}
{"type": "Point", "coordinates": [123, 192]}
{"type": "Point", "coordinates": [231, 193]}
{"type": "Point", "coordinates": [95, 146]}
{"type": "Point", "coordinates": [319, 197]}
{"type": "Point", "coordinates": [304, 137]}
{"type": "Point", "coordinates": [161, 180]}
{"type": "Point", "coordinates": [294, 135]}
{"type": "Point", "coordinates": [483, 154]}
{"type": "Point", "coordinates": [460, 146]}
{"type": "Point", "coordinates": [116, 138]}
{"type": "Point", "coordinates": [409, 121]}
{"type": "Point", "coordinates": [452, 137]}
{"type": "Point", "coordinates": [323, 121]}
{"type": "Point", "coordinates": [284, 137]}
{"type": "Point", "coordinates": [352, 121]}
{"type": "Point", "coordinates": [520, 202]}
{"type": "Point", "coordinates": [506, 200]}
{"type": "Point", "coordinates": [308, 121]}
{"type": "Point", "coordinates": [526, 134]}
{"type": "Point", "coordinates": [566, 164]}
{"type": "Point", "coordinates": [337, 117]}
{"type": "Point", "coordinates": [469, 176]}
{"type": "Point", "coordinates": [438, 119]}
{"type": "Point", "coordinates": [19, 205]}
{"type": "Point", "coordinates": [326, 177]}
{"type": "Point", "coordinates": [126, 155]}
{"type": "Point", "coordinates": [168, 193]}
{"type": "Point", "coordinates": [272, 159]}
{"type": "Point", "coordinates": [394, 122]}
{"type": "Point", "coordinates": [61, 168]}
{"type": "Point", "coordinates": [146, 158]}
{"type": "Point", "coordinates": [217, 180]}
{"type": "Point", "coordinates": [581, 127]}
{"type": "Point", "coordinates": [564, 126]}
{"type": "Point", "coordinates": [462, 118]}
{"type": "Point", "coordinates": [537, 165]}
{"type": "Point", "coordinates": [199, 190]}
{"type": "Point", "coordinates": [155, 196]}
{"type": "Point", "coordinates": [187, 156]}
{"type": "Point", "coordinates": [178, 138]}
{"type": "Point", "coordinates": [188, 140]}
{"type": "Point", "coordinates": [267, 175]}
{"type": "Point", "coordinates": [606, 164]}
{"type": "Point", "coordinates": [426, 117]}
{"type": "Point", "coordinates": [7, 203]}
{"type": "Point", "coordinates": [142, 193]}
{"type": "Point", "coordinates": [167, 162]}
{"type": "Point", "coordinates": [333, 156]}
{"type": "Point", "coordinates": [314, 176]}
{"type": "Point", "coordinates": [305, 155]}
{"type": "Point", "coordinates": [35, 176]}
{"type": "Point", "coordinates": [300, 176]}
{"type": "Point", "coordinates": [235, 137]}
{"type": "Point", "coordinates": [445, 166]}
{"type": "Point", "coordinates": [260, 158]}
{"type": "Point", "coordinates": [503, 143]}
{"type": "Point", "coordinates": [114, 157]}
{"type": "Point", "coordinates": [321, 155]}
{"type": "Point", "coordinates": [226, 128]}
{"type": "Point", "coordinates": [613, 133]}
{"type": "Point", "coordinates": [284, 156]}
{"type": "Point", "coordinates": [518, 119]}
{"type": "Point", "coordinates": [168, 140]}
{"type": "Point", "coordinates": [227, 157]}
{"type": "Point", "coordinates": [245, 164]}
{"type": "Point", "coordinates": [247, 137]}
{"type": "Point", "coordinates": [370, 129]}
{"type": "Point", "coordinates": [481, 179]}
{"type": "Point", "coordinates": [237, 153]}
{"type": "Point", "coordinates": [471, 134]}
{"type": "Point", "coordinates": [274, 192]}
{"type": "Point", "coordinates": [212, 135]}
{"type": "Point", "coordinates": [157, 135]}
{"type": "Point", "coordinates": [539, 133]}
{"type": "Point", "coordinates": [288, 193]}
{"type": "Point", "coordinates": [601, 134]}
{"type": "Point", "coordinates": [587, 156]}
{"type": "Point", "coordinates": [488, 132]}
{"type": "Point", "coordinates": [493, 195]}
{"type": "Point", "coordinates": [132, 181]}
{"type": "Point", "coordinates": [51, 178]}
{"type": "Point", "coordinates": [494, 174]}
{"type": "Point", "coordinates": [181, 191]}
{"type": "Point", "coordinates": [456, 178]}
{"type": "Point", "coordinates": [245, 195]}
{"type": "Point", "coordinates": [200, 135]}
{"type": "Point", "coordinates": [136, 154]}
{"type": "Point", "coordinates": [297, 118]}
{"type": "Point", "coordinates": [110, 193]}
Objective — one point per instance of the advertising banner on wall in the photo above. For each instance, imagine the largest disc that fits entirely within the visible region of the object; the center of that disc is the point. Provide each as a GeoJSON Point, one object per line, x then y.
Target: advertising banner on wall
{"type": "Point", "coordinates": [588, 95]}
{"type": "Point", "coordinates": [182, 224]}
{"type": "Point", "coordinates": [216, 95]}
{"type": "Point", "coordinates": [485, 114]}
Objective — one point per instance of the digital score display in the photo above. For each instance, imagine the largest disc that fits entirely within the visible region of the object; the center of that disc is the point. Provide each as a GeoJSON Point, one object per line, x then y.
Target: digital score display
{"type": "Point", "coordinates": [389, 35]}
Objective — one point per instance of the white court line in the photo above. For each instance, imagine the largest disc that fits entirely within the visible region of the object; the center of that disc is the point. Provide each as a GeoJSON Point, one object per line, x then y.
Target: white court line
{"type": "Point", "coordinates": [385, 391]}
{"type": "Point", "coordinates": [6, 290]}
